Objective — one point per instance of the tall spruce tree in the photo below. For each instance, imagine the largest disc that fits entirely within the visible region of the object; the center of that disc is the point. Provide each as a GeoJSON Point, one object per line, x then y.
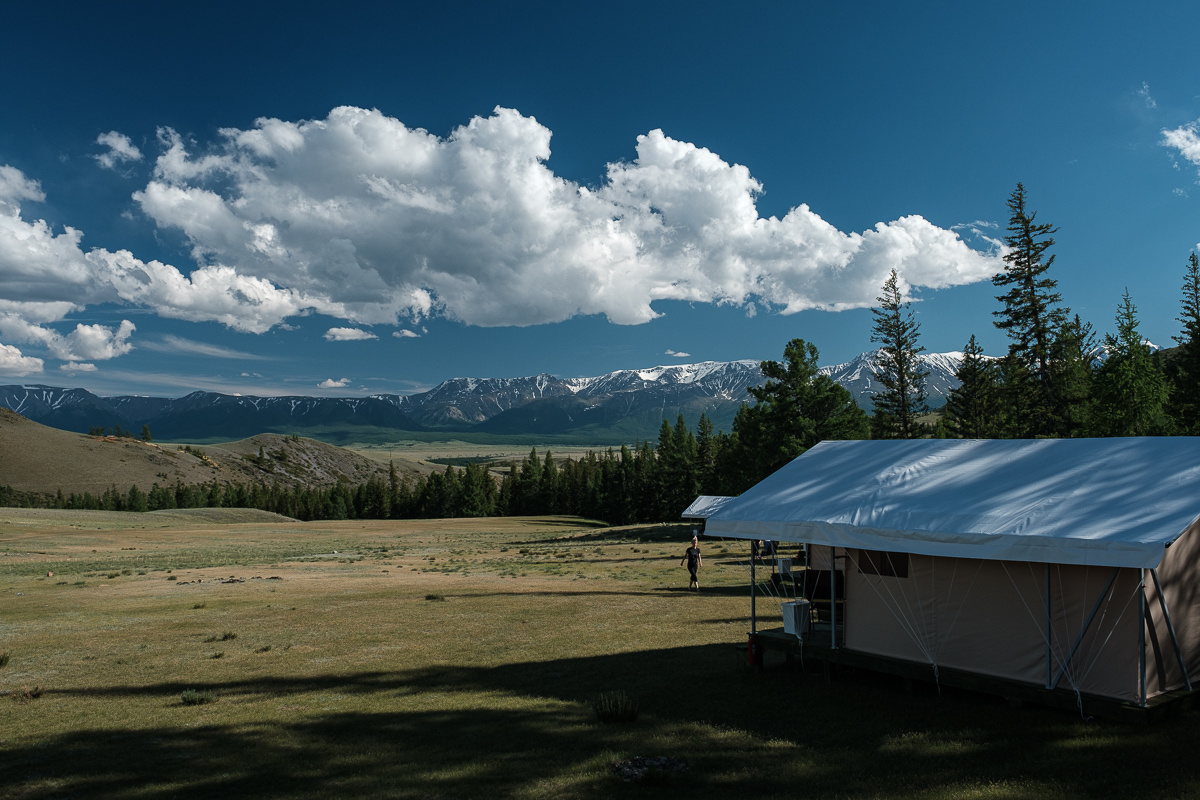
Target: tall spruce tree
{"type": "Point", "coordinates": [1031, 314]}
{"type": "Point", "coordinates": [973, 407]}
{"type": "Point", "coordinates": [1185, 366]}
{"type": "Point", "coordinates": [1130, 389]}
{"type": "Point", "coordinates": [900, 371]}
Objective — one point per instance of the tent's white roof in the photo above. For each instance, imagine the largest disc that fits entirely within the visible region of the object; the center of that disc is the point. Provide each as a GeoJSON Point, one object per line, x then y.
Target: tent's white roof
{"type": "Point", "coordinates": [1107, 502]}
{"type": "Point", "coordinates": [705, 506]}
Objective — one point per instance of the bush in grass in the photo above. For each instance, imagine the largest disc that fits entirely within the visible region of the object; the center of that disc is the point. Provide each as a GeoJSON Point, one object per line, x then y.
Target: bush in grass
{"type": "Point", "coordinates": [618, 706]}
{"type": "Point", "coordinates": [25, 694]}
{"type": "Point", "coordinates": [435, 597]}
{"type": "Point", "coordinates": [4, 658]}
{"type": "Point", "coordinates": [194, 697]}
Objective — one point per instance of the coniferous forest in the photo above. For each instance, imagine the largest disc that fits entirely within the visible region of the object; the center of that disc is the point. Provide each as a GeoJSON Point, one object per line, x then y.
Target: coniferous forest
{"type": "Point", "coordinates": [1058, 379]}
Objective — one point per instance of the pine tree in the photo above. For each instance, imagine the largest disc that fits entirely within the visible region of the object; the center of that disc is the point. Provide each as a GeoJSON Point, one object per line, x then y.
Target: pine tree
{"type": "Point", "coordinates": [900, 372]}
{"type": "Point", "coordinates": [1130, 389]}
{"type": "Point", "coordinates": [973, 408]}
{"type": "Point", "coordinates": [1031, 312]}
{"type": "Point", "coordinates": [1071, 366]}
{"type": "Point", "coordinates": [797, 407]}
{"type": "Point", "coordinates": [1186, 366]}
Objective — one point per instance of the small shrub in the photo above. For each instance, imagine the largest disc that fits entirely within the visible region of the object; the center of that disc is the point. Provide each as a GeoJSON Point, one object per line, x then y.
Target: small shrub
{"type": "Point", "coordinates": [193, 697]}
{"type": "Point", "coordinates": [264, 649]}
{"type": "Point", "coordinates": [112, 575]}
{"type": "Point", "coordinates": [25, 694]}
{"type": "Point", "coordinates": [171, 578]}
{"type": "Point", "coordinates": [200, 605]}
{"type": "Point", "coordinates": [228, 636]}
{"type": "Point", "coordinates": [614, 707]}
{"type": "Point", "coordinates": [4, 658]}
{"type": "Point", "coordinates": [220, 654]}
{"type": "Point", "coordinates": [126, 572]}
{"type": "Point", "coordinates": [435, 597]}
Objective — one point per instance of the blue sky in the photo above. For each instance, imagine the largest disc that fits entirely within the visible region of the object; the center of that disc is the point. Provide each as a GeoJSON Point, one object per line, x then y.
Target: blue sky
{"type": "Point", "coordinates": [375, 197]}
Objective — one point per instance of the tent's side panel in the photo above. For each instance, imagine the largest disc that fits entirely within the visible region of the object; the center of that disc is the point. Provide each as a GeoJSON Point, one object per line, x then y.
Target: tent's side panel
{"type": "Point", "coordinates": [989, 617]}
{"type": "Point", "coordinates": [1179, 574]}
{"type": "Point", "coordinates": [1105, 657]}
{"type": "Point", "coordinates": [962, 613]}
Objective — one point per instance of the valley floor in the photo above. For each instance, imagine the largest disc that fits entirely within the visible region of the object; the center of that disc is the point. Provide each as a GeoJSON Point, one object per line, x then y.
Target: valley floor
{"type": "Point", "coordinates": [191, 655]}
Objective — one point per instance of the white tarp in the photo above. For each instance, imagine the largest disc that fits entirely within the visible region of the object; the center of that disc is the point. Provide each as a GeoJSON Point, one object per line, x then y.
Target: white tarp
{"type": "Point", "coordinates": [705, 506]}
{"type": "Point", "coordinates": [1102, 502]}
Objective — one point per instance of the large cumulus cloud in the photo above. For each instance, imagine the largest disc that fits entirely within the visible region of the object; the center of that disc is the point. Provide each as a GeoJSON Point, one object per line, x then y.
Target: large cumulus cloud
{"type": "Point", "coordinates": [384, 220]}
{"type": "Point", "coordinates": [361, 218]}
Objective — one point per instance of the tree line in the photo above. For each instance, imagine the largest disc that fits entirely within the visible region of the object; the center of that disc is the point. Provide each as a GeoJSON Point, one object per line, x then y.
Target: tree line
{"type": "Point", "coordinates": [1052, 382]}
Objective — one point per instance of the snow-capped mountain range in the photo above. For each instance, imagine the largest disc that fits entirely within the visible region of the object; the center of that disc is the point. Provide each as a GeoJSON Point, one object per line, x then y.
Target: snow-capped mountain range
{"type": "Point", "coordinates": [625, 404]}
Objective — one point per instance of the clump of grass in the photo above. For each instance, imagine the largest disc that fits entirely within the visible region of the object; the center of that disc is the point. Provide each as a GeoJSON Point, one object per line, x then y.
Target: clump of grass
{"type": "Point", "coordinates": [197, 697]}
{"type": "Point", "coordinates": [172, 578]}
{"type": "Point", "coordinates": [26, 694]}
{"type": "Point", "coordinates": [437, 597]}
{"type": "Point", "coordinates": [219, 654]}
{"type": "Point", "coordinates": [4, 658]}
{"type": "Point", "coordinates": [615, 707]}
{"type": "Point", "coordinates": [264, 649]}
{"type": "Point", "coordinates": [200, 605]}
{"type": "Point", "coordinates": [113, 575]}
{"type": "Point", "coordinates": [227, 636]}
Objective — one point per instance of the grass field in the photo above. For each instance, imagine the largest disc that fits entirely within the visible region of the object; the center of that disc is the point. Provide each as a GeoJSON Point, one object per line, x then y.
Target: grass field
{"type": "Point", "coordinates": [216, 654]}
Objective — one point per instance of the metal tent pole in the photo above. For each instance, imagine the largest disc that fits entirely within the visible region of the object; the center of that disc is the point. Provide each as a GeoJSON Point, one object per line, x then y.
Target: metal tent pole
{"type": "Point", "coordinates": [1049, 649]}
{"type": "Point", "coordinates": [1162, 601]}
{"type": "Point", "coordinates": [1142, 636]}
{"type": "Point", "coordinates": [832, 598]}
{"type": "Point", "coordinates": [753, 616]}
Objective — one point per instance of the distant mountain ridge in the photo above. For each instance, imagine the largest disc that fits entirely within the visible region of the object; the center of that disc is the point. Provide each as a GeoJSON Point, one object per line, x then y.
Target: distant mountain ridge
{"type": "Point", "coordinates": [619, 406]}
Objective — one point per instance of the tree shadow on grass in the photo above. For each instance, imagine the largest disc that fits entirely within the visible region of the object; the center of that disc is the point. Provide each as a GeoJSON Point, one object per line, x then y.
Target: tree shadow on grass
{"type": "Point", "coordinates": [777, 733]}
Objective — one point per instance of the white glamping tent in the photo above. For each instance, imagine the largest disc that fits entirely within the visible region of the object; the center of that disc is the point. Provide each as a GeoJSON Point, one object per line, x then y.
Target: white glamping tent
{"type": "Point", "coordinates": [1063, 563]}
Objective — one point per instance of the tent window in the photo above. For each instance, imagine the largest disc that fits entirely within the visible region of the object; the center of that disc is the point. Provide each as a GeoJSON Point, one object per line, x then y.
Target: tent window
{"type": "Point", "coordinates": [879, 562]}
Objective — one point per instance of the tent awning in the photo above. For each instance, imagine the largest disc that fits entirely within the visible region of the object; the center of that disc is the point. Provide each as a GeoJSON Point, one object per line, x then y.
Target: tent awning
{"type": "Point", "coordinates": [1104, 502]}
{"type": "Point", "coordinates": [705, 506]}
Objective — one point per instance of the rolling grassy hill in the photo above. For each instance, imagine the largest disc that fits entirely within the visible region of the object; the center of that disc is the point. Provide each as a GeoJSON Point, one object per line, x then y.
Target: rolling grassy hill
{"type": "Point", "coordinates": [39, 459]}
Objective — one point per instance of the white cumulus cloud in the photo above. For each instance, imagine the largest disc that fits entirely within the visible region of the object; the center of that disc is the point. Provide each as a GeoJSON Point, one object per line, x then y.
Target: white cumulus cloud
{"type": "Point", "coordinates": [382, 221]}
{"type": "Point", "coordinates": [330, 383]}
{"type": "Point", "coordinates": [120, 150]}
{"type": "Point", "coordinates": [676, 354]}
{"type": "Point", "coordinates": [76, 367]}
{"type": "Point", "coordinates": [14, 364]}
{"type": "Point", "coordinates": [348, 335]}
{"type": "Point", "coordinates": [1186, 140]}
{"type": "Point", "coordinates": [405, 333]}
{"type": "Point", "coordinates": [363, 219]}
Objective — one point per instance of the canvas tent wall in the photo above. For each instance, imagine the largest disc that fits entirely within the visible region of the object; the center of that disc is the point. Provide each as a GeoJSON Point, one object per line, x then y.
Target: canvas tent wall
{"type": "Point", "coordinates": [1020, 559]}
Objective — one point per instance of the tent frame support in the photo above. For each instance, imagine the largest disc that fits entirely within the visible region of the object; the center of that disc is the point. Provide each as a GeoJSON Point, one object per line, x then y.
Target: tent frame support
{"type": "Point", "coordinates": [833, 645]}
{"type": "Point", "coordinates": [1049, 622]}
{"type": "Point", "coordinates": [1142, 637]}
{"type": "Point", "coordinates": [1082, 631]}
{"type": "Point", "coordinates": [1162, 602]}
{"type": "Point", "coordinates": [753, 609]}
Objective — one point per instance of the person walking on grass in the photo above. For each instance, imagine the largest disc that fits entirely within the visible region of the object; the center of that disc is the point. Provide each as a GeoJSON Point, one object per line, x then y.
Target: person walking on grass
{"type": "Point", "coordinates": [694, 562]}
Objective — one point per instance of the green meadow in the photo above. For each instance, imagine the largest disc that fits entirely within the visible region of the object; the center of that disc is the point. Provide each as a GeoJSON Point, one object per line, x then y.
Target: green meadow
{"type": "Point", "coordinates": [222, 653]}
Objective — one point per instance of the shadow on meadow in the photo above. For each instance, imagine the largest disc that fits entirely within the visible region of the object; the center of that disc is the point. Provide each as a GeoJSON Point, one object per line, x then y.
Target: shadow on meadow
{"type": "Point", "coordinates": [779, 733]}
